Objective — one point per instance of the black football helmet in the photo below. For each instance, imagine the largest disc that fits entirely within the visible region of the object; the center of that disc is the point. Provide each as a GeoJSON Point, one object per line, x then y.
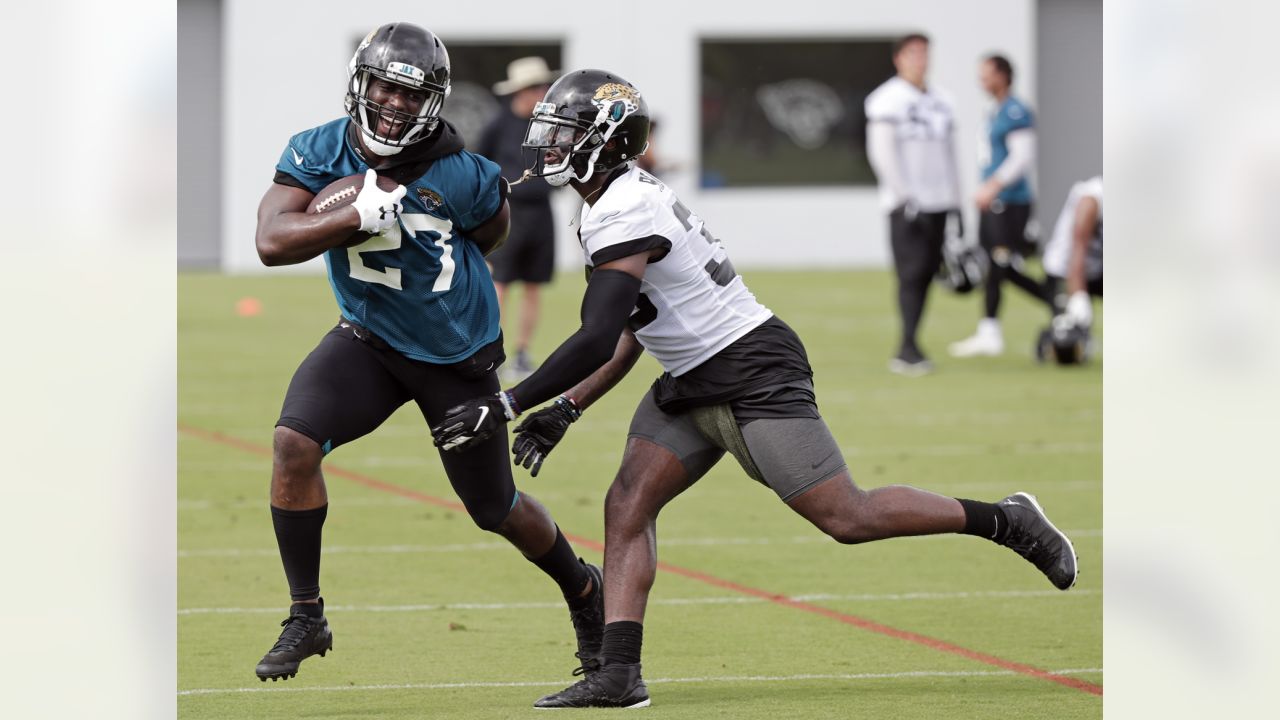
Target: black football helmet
{"type": "Point", "coordinates": [963, 267]}
{"type": "Point", "coordinates": [1064, 342]}
{"type": "Point", "coordinates": [581, 115]}
{"type": "Point", "coordinates": [407, 55]}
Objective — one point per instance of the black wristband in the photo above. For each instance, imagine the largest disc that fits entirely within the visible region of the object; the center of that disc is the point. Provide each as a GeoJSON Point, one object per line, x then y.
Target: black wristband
{"type": "Point", "coordinates": [570, 407]}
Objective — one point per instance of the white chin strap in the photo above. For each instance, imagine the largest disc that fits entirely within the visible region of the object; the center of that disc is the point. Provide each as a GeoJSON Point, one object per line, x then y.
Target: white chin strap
{"type": "Point", "coordinates": [559, 179]}
{"type": "Point", "coordinates": [563, 176]}
{"type": "Point", "coordinates": [380, 149]}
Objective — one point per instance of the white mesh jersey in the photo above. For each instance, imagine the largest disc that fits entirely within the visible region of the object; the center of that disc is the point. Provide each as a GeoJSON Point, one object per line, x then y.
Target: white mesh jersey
{"type": "Point", "coordinates": [924, 128]}
{"type": "Point", "coordinates": [692, 304]}
{"type": "Point", "coordinates": [1057, 252]}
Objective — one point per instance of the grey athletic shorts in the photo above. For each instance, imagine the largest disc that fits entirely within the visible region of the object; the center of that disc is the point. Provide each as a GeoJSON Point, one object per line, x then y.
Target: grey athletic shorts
{"type": "Point", "coordinates": [788, 455]}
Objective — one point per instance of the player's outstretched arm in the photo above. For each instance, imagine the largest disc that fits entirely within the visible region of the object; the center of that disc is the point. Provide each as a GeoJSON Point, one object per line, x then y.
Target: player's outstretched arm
{"type": "Point", "coordinates": [625, 355]}
{"type": "Point", "coordinates": [1079, 306]}
{"type": "Point", "coordinates": [1086, 221]}
{"type": "Point", "coordinates": [539, 432]}
{"type": "Point", "coordinates": [606, 306]}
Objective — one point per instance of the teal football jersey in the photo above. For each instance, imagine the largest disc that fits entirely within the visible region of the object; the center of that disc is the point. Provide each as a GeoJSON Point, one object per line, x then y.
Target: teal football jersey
{"type": "Point", "coordinates": [422, 286]}
{"type": "Point", "coordinates": [1011, 115]}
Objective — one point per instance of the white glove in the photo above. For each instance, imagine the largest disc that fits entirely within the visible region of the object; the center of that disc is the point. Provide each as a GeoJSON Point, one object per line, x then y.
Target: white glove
{"type": "Point", "coordinates": [1080, 308]}
{"type": "Point", "coordinates": [378, 209]}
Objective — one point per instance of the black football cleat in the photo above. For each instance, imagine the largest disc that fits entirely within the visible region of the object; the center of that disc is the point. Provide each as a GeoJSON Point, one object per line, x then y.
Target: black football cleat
{"type": "Point", "coordinates": [588, 623]}
{"type": "Point", "coordinates": [612, 686]}
{"type": "Point", "coordinates": [303, 636]}
{"type": "Point", "coordinates": [1032, 536]}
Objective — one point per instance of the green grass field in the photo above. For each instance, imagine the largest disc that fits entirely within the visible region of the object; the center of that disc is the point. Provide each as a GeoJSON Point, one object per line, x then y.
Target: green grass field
{"type": "Point", "coordinates": [435, 618]}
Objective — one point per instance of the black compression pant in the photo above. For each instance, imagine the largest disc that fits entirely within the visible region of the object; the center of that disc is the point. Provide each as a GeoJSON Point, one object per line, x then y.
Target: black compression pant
{"type": "Point", "coordinates": [1003, 235]}
{"type": "Point", "coordinates": [917, 252]}
{"type": "Point", "coordinates": [347, 387]}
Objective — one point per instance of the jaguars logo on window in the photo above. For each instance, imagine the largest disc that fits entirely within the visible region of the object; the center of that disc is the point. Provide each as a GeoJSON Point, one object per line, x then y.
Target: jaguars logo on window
{"type": "Point", "coordinates": [617, 100]}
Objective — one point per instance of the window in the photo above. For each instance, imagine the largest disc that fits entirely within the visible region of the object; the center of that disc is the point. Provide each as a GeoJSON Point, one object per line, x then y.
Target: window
{"type": "Point", "coordinates": [475, 67]}
{"type": "Point", "coordinates": [779, 112]}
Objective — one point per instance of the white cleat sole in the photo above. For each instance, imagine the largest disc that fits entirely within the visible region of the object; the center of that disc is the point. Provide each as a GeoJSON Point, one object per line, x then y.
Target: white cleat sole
{"type": "Point", "coordinates": [642, 704]}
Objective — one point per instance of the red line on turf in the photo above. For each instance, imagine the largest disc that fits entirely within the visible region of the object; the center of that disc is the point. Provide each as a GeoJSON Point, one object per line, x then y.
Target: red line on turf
{"type": "Point", "coordinates": [783, 600]}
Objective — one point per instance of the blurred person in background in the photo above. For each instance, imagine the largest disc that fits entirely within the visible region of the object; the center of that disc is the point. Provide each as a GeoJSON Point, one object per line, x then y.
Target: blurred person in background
{"type": "Point", "coordinates": [911, 146]}
{"type": "Point", "coordinates": [1073, 255]}
{"type": "Point", "coordinates": [737, 379]}
{"type": "Point", "coordinates": [419, 320]}
{"type": "Point", "coordinates": [651, 161]}
{"type": "Point", "coordinates": [529, 255]}
{"type": "Point", "coordinates": [1004, 203]}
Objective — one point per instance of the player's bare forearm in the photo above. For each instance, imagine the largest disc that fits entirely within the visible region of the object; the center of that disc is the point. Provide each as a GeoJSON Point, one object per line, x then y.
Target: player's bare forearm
{"type": "Point", "coordinates": [288, 235]}
{"type": "Point", "coordinates": [610, 374]}
{"type": "Point", "coordinates": [1086, 222]}
{"type": "Point", "coordinates": [606, 306]}
{"type": "Point", "coordinates": [1075, 271]}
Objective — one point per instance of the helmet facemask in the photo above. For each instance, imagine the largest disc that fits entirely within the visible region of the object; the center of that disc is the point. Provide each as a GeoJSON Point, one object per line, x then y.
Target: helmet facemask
{"type": "Point", "coordinates": [415, 127]}
{"type": "Point", "coordinates": [577, 143]}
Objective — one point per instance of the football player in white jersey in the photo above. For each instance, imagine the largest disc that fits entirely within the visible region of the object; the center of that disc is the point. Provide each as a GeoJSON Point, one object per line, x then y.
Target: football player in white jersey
{"type": "Point", "coordinates": [911, 146]}
{"type": "Point", "coordinates": [736, 380]}
{"type": "Point", "coordinates": [1073, 255]}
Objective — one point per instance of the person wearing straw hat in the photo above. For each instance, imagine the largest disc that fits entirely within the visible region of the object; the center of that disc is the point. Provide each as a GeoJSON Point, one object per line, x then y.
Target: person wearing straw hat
{"type": "Point", "coordinates": [529, 254]}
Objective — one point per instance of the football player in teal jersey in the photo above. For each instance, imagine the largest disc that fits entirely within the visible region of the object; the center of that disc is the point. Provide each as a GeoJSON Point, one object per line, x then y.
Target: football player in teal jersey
{"type": "Point", "coordinates": [419, 319]}
{"type": "Point", "coordinates": [1004, 202]}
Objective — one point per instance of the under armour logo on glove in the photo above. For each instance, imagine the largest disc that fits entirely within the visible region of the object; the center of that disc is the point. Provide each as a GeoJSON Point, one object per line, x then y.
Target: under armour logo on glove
{"type": "Point", "coordinates": [474, 421]}
{"type": "Point", "coordinates": [378, 208]}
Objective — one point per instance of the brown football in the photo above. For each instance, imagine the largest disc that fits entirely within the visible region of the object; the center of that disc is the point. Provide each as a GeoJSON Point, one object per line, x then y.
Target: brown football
{"type": "Point", "coordinates": [341, 193]}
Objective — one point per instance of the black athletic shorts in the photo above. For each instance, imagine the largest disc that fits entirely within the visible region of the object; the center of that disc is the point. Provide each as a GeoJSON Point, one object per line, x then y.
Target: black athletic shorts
{"type": "Point", "coordinates": [1006, 228]}
{"type": "Point", "coordinates": [348, 386]}
{"type": "Point", "coordinates": [529, 255]}
{"type": "Point", "coordinates": [763, 374]}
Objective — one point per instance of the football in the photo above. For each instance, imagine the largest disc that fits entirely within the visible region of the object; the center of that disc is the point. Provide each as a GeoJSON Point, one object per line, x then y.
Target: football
{"type": "Point", "coordinates": [341, 193]}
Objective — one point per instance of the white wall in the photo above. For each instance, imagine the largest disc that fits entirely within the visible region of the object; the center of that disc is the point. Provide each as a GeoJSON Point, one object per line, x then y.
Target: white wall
{"type": "Point", "coordinates": [200, 163]}
{"type": "Point", "coordinates": [286, 63]}
{"type": "Point", "coordinates": [1069, 121]}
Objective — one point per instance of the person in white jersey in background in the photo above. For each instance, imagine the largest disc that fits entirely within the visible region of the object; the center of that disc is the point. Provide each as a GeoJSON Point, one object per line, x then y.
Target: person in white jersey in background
{"type": "Point", "coordinates": [1073, 255]}
{"type": "Point", "coordinates": [911, 146]}
{"type": "Point", "coordinates": [736, 380]}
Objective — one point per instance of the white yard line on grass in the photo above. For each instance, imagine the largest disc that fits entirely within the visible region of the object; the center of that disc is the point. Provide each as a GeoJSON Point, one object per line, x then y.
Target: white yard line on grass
{"type": "Point", "coordinates": [974, 449]}
{"type": "Point", "coordinates": [259, 504]}
{"type": "Point", "coordinates": [350, 550]}
{"type": "Point", "coordinates": [485, 546]}
{"type": "Point", "coordinates": [656, 681]}
{"type": "Point", "coordinates": [714, 600]}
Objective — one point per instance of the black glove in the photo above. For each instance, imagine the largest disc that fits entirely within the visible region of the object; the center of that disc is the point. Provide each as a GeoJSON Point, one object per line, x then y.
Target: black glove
{"type": "Point", "coordinates": [466, 425]}
{"type": "Point", "coordinates": [539, 433]}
